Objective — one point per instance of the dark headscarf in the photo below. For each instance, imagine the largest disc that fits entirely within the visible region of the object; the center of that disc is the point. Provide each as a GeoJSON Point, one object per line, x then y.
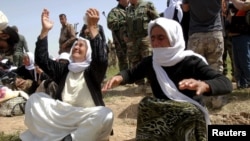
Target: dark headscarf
{"type": "Point", "coordinates": [12, 40]}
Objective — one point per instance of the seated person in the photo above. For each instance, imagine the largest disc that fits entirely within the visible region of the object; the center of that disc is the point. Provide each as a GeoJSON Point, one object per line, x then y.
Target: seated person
{"type": "Point", "coordinates": [176, 77]}
{"type": "Point", "coordinates": [27, 75]}
{"type": "Point", "coordinates": [48, 86]}
{"type": "Point", "coordinates": [77, 111]}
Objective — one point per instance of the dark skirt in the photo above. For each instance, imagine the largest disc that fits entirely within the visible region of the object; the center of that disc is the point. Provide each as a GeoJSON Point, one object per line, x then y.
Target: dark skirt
{"type": "Point", "coordinates": [168, 120]}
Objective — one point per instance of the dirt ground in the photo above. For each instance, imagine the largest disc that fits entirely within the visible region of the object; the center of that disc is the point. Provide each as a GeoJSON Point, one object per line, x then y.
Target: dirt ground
{"type": "Point", "coordinates": [122, 100]}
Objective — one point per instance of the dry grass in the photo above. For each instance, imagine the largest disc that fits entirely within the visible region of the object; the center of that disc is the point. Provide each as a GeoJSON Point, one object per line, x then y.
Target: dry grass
{"type": "Point", "coordinates": [124, 102]}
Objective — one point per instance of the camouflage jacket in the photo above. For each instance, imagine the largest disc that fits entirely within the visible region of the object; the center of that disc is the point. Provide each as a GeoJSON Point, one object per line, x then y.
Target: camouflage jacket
{"type": "Point", "coordinates": [138, 17]}
{"type": "Point", "coordinates": [116, 22]}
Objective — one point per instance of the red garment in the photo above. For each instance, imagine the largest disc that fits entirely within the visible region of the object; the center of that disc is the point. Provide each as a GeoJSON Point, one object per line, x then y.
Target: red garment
{"type": "Point", "coordinates": [241, 13]}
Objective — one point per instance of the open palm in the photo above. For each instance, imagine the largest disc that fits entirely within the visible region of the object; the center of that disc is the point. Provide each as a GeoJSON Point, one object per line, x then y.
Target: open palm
{"type": "Point", "coordinates": [47, 24]}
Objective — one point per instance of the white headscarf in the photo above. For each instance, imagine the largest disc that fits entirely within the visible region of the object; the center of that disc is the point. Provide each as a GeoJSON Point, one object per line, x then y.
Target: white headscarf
{"type": "Point", "coordinates": [80, 66]}
{"type": "Point", "coordinates": [171, 6]}
{"type": "Point", "coordinates": [3, 21]}
{"type": "Point", "coordinates": [169, 56]}
{"type": "Point", "coordinates": [32, 63]}
{"type": "Point", "coordinates": [64, 56]}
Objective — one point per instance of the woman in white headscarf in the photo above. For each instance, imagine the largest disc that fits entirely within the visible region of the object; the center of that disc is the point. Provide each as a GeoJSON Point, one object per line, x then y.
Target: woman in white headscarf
{"type": "Point", "coordinates": [27, 77]}
{"type": "Point", "coordinates": [77, 111]}
{"type": "Point", "coordinates": [176, 76]}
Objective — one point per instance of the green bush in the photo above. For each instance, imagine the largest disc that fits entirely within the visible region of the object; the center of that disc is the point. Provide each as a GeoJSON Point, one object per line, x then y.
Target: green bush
{"type": "Point", "coordinates": [9, 137]}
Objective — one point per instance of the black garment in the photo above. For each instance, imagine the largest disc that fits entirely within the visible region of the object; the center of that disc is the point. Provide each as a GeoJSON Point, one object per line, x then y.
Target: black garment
{"type": "Point", "coordinates": [93, 75]}
{"type": "Point", "coordinates": [185, 26]}
{"type": "Point", "coordinates": [101, 32]}
{"type": "Point", "coordinates": [29, 74]}
{"type": "Point", "coordinates": [238, 23]}
{"type": "Point", "coordinates": [189, 67]}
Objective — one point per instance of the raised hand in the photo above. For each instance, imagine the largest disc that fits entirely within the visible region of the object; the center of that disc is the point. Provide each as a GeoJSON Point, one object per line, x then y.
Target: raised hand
{"type": "Point", "coordinates": [92, 16]}
{"type": "Point", "coordinates": [47, 24]}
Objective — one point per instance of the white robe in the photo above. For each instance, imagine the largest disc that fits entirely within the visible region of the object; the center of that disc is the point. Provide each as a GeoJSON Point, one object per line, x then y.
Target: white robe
{"type": "Point", "coordinates": [51, 120]}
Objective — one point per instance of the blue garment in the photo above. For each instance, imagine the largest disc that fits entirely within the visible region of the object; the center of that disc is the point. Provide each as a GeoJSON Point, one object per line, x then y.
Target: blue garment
{"type": "Point", "coordinates": [241, 54]}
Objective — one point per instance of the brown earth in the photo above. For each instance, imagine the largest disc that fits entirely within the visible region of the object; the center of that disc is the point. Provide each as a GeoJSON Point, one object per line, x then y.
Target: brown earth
{"type": "Point", "coordinates": [122, 100]}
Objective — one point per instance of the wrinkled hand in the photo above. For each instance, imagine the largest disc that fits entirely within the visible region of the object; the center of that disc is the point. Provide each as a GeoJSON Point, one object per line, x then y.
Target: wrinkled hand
{"type": "Point", "coordinates": [38, 69]}
{"type": "Point", "coordinates": [19, 82]}
{"type": "Point", "coordinates": [113, 82]}
{"type": "Point", "coordinates": [191, 84]}
{"type": "Point", "coordinates": [47, 24]}
{"type": "Point", "coordinates": [92, 16]}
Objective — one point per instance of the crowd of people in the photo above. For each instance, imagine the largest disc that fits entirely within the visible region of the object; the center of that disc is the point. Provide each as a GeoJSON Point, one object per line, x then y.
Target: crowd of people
{"type": "Point", "coordinates": [154, 49]}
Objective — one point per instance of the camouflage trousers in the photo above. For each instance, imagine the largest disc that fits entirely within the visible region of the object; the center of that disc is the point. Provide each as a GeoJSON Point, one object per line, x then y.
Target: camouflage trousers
{"type": "Point", "coordinates": [210, 45]}
{"type": "Point", "coordinates": [137, 49]}
{"type": "Point", "coordinates": [112, 58]}
{"type": "Point", "coordinates": [168, 120]}
{"type": "Point", "coordinates": [18, 59]}
{"type": "Point", "coordinates": [121, 53]}
{"type": "Point", "coordinates": [228, 51]}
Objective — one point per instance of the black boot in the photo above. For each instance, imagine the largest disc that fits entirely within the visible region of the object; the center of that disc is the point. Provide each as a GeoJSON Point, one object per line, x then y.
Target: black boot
{"type": "Point", "coordinates": [67, 138]}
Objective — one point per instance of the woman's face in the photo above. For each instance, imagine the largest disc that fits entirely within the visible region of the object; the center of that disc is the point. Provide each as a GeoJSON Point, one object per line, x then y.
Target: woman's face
{"type": "Point", "coordinates": [159, 37]}
{"type": "Point", "coordinates": [79, 51]}
{"type": "Point", "coordinates": [26, 60]}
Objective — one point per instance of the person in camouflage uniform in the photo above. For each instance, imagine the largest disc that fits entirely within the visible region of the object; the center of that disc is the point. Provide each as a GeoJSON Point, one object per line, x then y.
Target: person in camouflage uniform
{"type": "Point", "coordinates": [116, 23]}
{"type": "Point", "coordinates": [139, 13]}
{"type": "Point", "coordinates": [112, 57]}
{"type": "Point", "coordinates": [20, 48]}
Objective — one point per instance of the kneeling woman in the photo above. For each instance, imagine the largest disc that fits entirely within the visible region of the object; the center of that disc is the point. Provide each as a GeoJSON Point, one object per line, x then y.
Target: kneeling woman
{"type": "Point", "coordinates": [176, 77]}
{"type": "Point", "coordinates": [77, 111]}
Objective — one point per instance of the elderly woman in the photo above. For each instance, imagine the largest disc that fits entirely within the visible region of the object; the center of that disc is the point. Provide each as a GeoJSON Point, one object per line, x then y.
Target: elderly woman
{"type": "Point", "coordinates": [77, 111]}
{"type": "Point", "coordinates": [28, 78]}
{"type": "Point", "coordinates": [176, 77]}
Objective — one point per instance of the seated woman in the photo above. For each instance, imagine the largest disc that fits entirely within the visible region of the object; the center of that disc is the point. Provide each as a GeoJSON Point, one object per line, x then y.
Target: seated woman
{"type": "Point", "coordinates": [77, 111]}
{"type": "Point", "coordinates": [176, 76]}
{"type": "Point", "coordinates": [27, 76]}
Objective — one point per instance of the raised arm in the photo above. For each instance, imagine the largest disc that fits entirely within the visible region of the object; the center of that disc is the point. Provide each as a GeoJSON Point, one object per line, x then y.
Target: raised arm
{"type": "Point", "coordinates": [93, 18]}
{"type": "Point", "coordinates": [47, 24]}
